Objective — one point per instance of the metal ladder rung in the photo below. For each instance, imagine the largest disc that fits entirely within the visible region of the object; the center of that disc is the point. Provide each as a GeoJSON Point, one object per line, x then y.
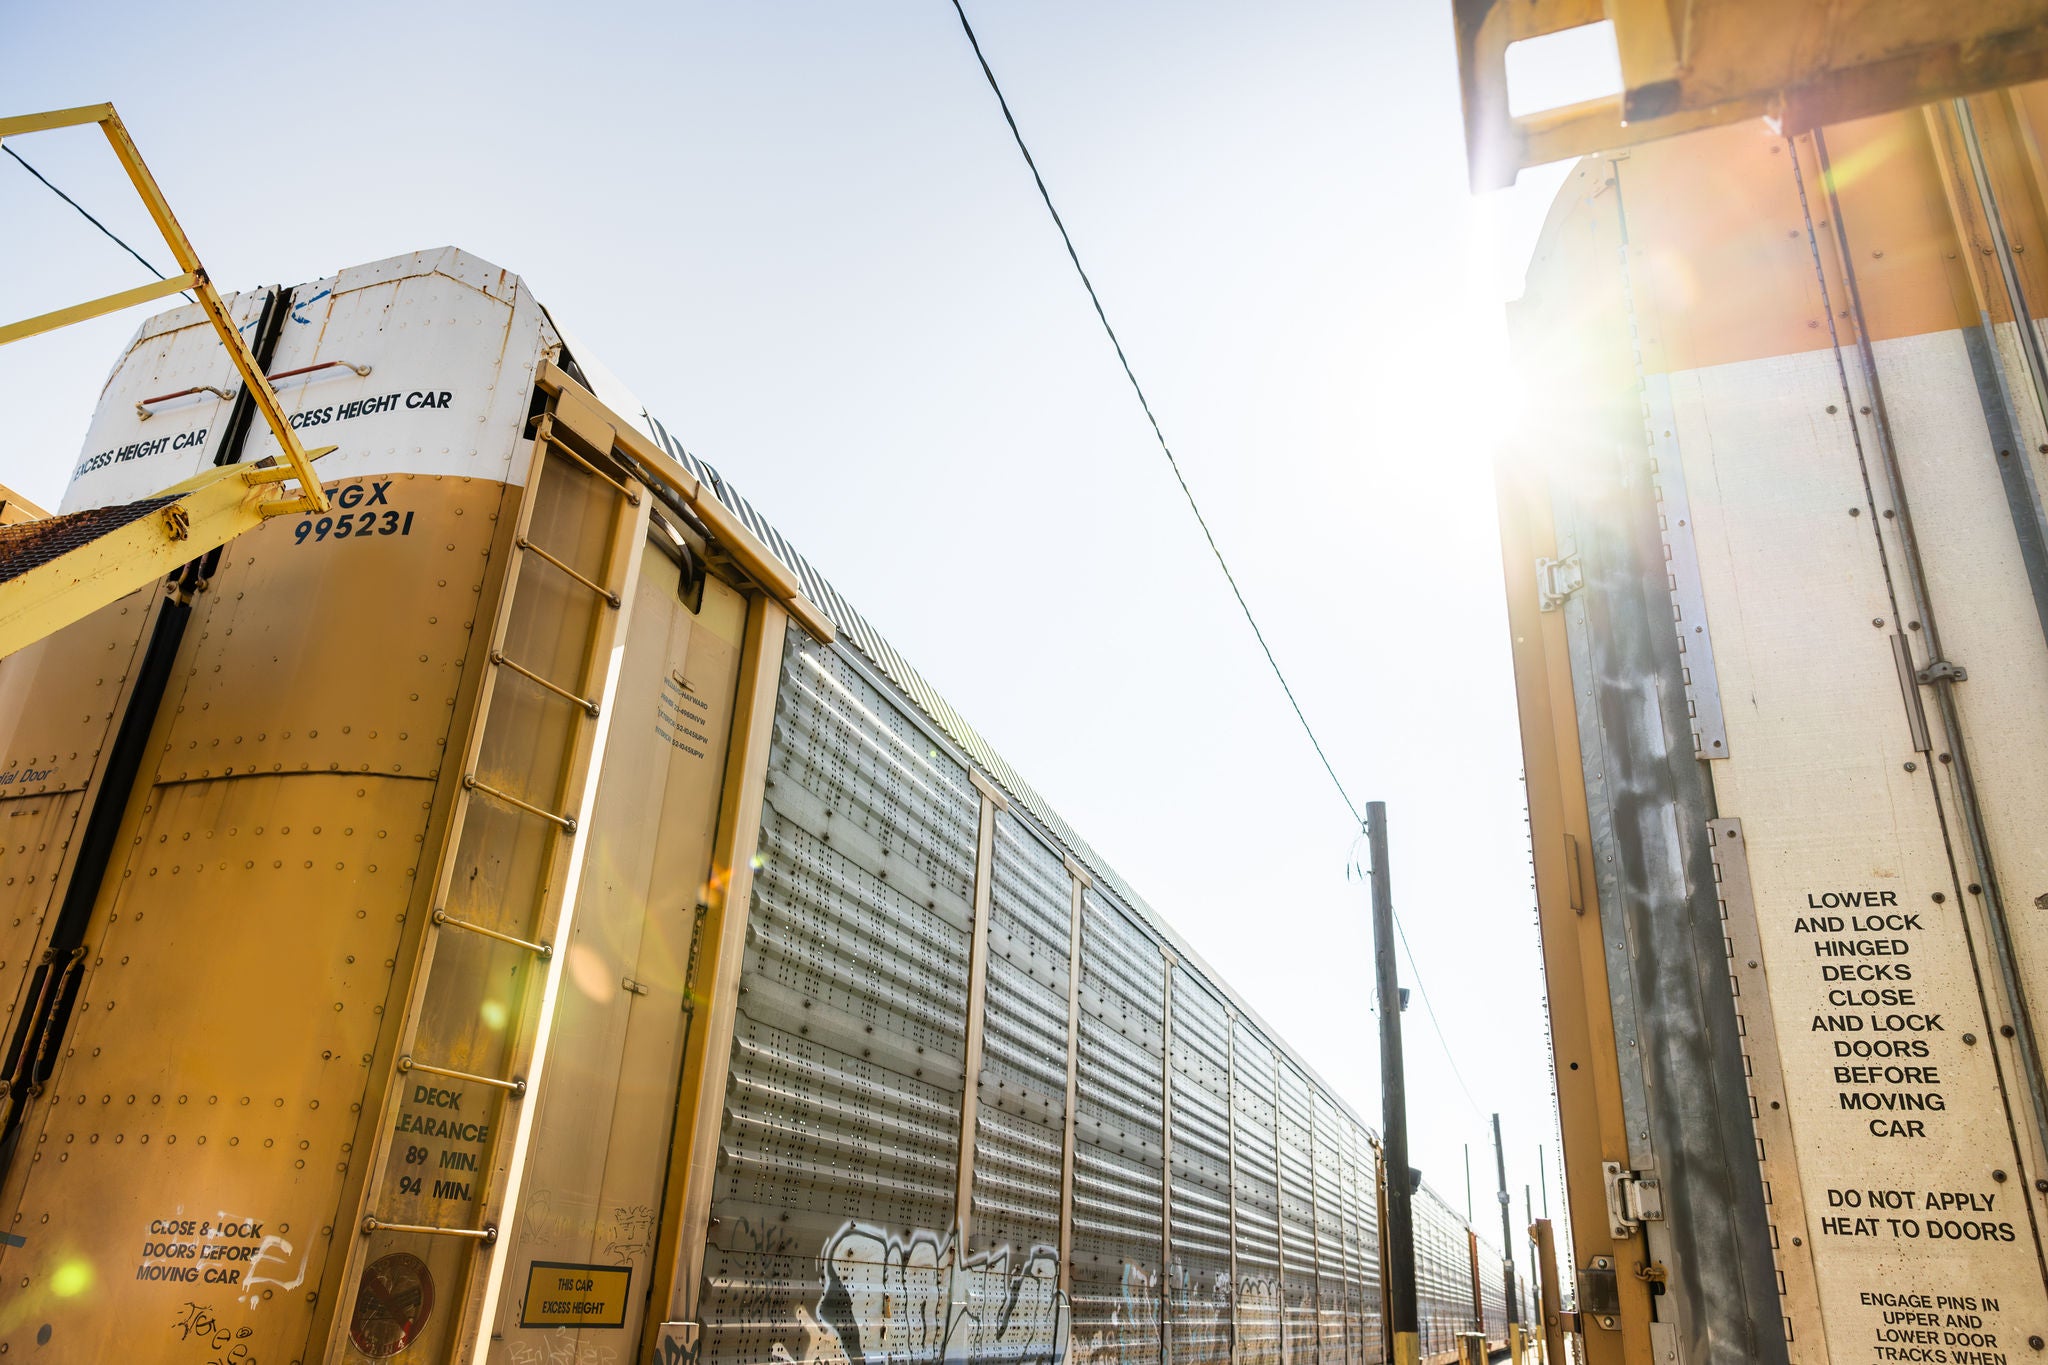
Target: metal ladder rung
{"type": "Point", "coordinates": [516, 1086]}
{"type": "Point", "coordinates": [600, 589]}
{"type": "Point", "coordinates": [498, 658]}
{"type": "Point", "coordinates": [447, 921]}
{"type": "Point", "coordinates": [486, 1234]}
{"type": "Point", "coordinates": [546, 432]}
{"type": "Point", "coordinates": [567, 822]}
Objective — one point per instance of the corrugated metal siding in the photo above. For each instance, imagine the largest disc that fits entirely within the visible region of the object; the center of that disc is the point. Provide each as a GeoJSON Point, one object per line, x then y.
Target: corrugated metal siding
{"type": "Point", "coordinates": [1258, 1235]}
{"type": "Point", "coordinates": [1362, 1251]}
{"type": "Point", "coordinates": [1493, 1290]}
{"type": "Point", "coordinates": [1443, 1273]}
{"type": "Point", "coordinates": [1331, 1288]}
{"type": "Point", "coordinates": [1118, 1181]}
{"type": "Point", "coordinates": [1198, 1282]}
{"type": "Point", "coordinates": [1023, 1102]}
{"type": "Point", "coordinates": [844, 1100]}
{"type": "Point", "coordinates": [1297, 1215]}
{"type": "Point", "coordinates": [834, 1206]}
{"type": "Point", "coordinates": [861, 636]}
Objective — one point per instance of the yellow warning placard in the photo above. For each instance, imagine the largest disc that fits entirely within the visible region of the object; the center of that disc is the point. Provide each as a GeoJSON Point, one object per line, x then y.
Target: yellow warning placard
{"type": "Point", "coordinates": [559, 1294]}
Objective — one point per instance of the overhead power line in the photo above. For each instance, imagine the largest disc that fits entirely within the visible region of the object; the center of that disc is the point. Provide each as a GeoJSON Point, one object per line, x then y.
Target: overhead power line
{"type": "Point", "coordinates": [1144, 403]}
{"type": "Point", "coordinates": [87, 216]}
{"type": "Point", "coordinates": [1195, 507]}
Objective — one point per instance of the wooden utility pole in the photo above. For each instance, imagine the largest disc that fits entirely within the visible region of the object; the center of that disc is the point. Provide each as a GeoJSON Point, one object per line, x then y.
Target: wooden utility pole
{"type": "Point", "coordinates": [1400, 1234]}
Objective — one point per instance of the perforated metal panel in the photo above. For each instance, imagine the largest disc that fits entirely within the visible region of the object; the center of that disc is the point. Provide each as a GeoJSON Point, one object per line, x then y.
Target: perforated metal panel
{"type": "Point", "coordinates": [1022, 1111]}
{"type": "Point", "coordinates": [1198, 1280]}
{"type": "Point", "coordinates": [1493, 1289]}
{"type": "Point", "coordinates": [1297, 1216]}
{"type": "Point", "coordinates": [1362, 1242]}
{"type": "Point", "coordinates": [840, 1151]}
{"type": "Point", "coordinates": [1329, 1216]}
{"type": "Point", "coordinates": [1118, 1181]}
{"type": "Point", "coordinates": [833, 1218]}
{"type": "Point", "coordinates": [1258, 1235]}
{"type": "Point", "coordinates": [1443, 1273]}
{"type": "Point", "coordinates": [1116, 1212]}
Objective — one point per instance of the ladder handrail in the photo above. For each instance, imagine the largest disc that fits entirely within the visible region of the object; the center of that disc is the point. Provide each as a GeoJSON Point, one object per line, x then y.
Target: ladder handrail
{"type": "Point", "coordinates": [311, 497]}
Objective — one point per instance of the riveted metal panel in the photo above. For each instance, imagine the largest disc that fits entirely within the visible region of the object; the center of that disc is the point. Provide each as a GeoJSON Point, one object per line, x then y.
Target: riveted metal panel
{"type": "Point", "coordinates": [1022, 1112]}
{"type": "Point", "coordinates": [1117, 1172]}
{"type": "Point", "coordinates": [59, 697]}
{"type": "Point", "coordinates": [253, 707]}
{"type": "Point", "coordinates": [831, 1220]}
{"type": "Point", "coordinates": [1198, 1282]}
{"type": "Point", "coordinates": [58, 702]}
{"type": "Point", "coordinates": [1258, 1228]}
{"type": "Point", "coordinates": [247, 933]}
{"type": "Point", "coordinates": [236, 1110]}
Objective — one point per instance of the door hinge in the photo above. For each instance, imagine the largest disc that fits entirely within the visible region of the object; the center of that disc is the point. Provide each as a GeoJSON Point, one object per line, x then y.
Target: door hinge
{"type": "Point", "coordinates": [1632, 1198]}
{"type": "Point", "coordinates": [1557, 579]}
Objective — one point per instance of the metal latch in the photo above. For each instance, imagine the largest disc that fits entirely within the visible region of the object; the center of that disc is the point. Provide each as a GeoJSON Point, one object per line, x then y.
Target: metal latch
{"type": "Point", "coordinates": [1599, 1295]}
{"type": "Point", "coordinates": [1632, 1198]}
{"type": "Point", "coordinates": [1941, 670]}
{"type": "Point", "coordinates": [1557, 579]}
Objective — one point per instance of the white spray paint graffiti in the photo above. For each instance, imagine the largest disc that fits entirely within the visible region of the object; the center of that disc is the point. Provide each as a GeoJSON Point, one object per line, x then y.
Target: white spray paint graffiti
{"type": "Point", "coordinates": [1260, 1308]}
{"type": "Point", "coordinates": [1131, 1334]}
{"type": "Point", "coordinates": [1201, 1312]}
{"type": "Point", "coordinates": [271, 1251]}
{"type": "Point", "coordinates": [919, 1299]}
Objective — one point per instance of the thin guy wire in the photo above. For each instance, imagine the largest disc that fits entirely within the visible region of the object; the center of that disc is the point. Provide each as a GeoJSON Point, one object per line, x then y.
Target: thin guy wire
{"type": "Point", "coordinates": [87, 216]}
{"type": "Point", "coordinates": [1144, 403]}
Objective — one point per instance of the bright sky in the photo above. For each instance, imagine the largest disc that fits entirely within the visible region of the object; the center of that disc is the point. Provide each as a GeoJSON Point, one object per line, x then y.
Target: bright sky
{"type": "Point", "coordinates": [799, 231]}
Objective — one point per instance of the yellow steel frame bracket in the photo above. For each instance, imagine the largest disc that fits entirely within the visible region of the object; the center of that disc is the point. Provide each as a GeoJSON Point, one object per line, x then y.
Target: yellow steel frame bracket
{"type": "Point", "coordinates": [1689, 64]}
{"type": "Point", "coordinates": [173, 528]}
{"type": "Point", "coordinates": [298, 465]}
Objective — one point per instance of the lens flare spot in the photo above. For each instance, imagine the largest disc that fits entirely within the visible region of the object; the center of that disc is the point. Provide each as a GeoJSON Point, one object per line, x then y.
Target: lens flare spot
{"type": "Point", "coordinates": [494, 1013]}
{"type": "Point", "coordinates": [759, 862]}
{"type": "Point", "coordinates": [71, 1279]}
{"type": "Point", "coordinates": [587, 970]}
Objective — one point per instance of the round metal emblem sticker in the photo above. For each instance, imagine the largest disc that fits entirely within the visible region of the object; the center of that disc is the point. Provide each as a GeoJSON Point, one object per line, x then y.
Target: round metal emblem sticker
{"type": "Point", "coordinates": [392, 1305]}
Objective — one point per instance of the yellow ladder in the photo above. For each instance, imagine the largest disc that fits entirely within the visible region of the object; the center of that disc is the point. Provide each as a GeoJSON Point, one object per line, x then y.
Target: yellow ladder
{"type": "Point", "coordinates": [528, 778]}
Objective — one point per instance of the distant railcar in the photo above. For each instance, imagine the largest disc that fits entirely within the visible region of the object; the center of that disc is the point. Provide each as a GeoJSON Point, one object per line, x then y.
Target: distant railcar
{"type": "Point", "coordinates": [525, 914]}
